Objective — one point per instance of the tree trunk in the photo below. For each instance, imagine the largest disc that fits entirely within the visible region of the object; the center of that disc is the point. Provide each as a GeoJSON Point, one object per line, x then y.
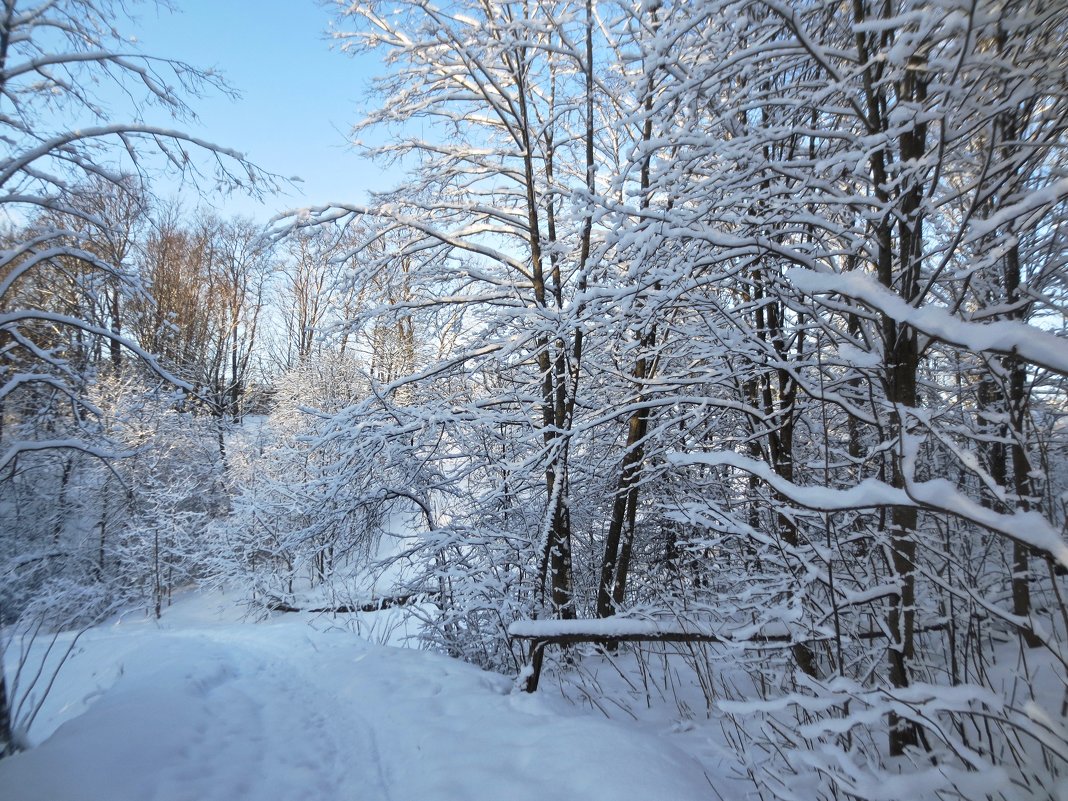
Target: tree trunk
{"type": "Point", "coordinates": [7, 737]}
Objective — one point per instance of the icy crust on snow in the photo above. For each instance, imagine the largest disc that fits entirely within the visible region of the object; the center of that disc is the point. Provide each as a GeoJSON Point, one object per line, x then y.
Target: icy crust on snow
{"type": "Point", "coordinates": [282, 712]}
{"type": "Point", "coordinates": [1004, 336]}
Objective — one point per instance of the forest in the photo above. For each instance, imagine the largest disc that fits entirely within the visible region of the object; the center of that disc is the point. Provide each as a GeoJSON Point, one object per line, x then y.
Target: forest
{"type": "Point", "coordinates": [732, 316]}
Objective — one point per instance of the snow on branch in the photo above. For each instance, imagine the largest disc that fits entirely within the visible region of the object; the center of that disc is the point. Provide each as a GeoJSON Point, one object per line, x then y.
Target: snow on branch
{"type": "Point", "coordinates": [1036, 346]}
{"type": "Point", "coordinates": [616, 626]}
{"type": "Point", "coordinates": [865, 495]}
{"type": "Point", "coordinates": [12, 451]}
{"type": "Point", "coordinates": [10, 320]}
{"type": "Point", "coordinates": [939, 495]}
{"type": "Point", "coordinates": [620, 628]}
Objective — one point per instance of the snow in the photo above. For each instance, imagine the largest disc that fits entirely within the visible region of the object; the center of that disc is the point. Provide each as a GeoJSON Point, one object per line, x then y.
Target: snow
{"type": "Point", "coordinates": [605, 627]}
{"type": "Point", "coordinates": [1027, 527]}
{"type": "Point", "coordinates": [1039, 347]}
{"type": "Point", "coordinates": [867, 493]}
{"type": "Point", "coordinates": [204, 707]}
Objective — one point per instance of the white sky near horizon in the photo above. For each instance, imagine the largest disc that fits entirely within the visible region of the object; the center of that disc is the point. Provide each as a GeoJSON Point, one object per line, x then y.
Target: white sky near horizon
{"type": "Point", "coordinates": [299, 96]}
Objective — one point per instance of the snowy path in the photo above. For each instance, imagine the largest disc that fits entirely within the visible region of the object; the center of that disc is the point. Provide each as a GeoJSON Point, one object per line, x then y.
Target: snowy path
{"type": "Point", "coordinates": [282, 712]}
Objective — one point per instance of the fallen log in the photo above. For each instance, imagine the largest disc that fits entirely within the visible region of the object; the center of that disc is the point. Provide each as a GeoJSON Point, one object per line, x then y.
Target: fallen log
{"type": "Point", "coordinates": [611, 631]}
{"type": "Point", "coordinates": [388, 602]}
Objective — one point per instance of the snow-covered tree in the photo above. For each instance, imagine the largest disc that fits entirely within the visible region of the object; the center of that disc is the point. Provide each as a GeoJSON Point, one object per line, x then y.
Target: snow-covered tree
{"type": "Point", "coordinates": [771, 290]}
{"type": "Point", "coordinates": [60, 143]}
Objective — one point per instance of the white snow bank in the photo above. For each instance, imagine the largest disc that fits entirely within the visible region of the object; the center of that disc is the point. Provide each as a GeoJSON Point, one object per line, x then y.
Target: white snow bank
{"type": "Point", "coordinates": [280, 711]}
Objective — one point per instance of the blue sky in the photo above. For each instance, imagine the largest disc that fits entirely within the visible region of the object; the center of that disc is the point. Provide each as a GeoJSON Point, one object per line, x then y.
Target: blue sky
{"type": "Point", "coordinates": [299, 97]}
